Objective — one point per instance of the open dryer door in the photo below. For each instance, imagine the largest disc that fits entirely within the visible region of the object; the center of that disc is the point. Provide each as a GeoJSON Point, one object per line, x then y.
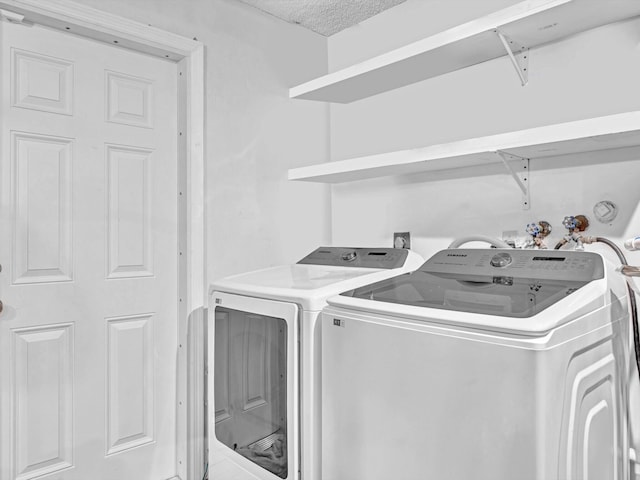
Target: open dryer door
{"type": "Point", "coordinates": [253, 382]}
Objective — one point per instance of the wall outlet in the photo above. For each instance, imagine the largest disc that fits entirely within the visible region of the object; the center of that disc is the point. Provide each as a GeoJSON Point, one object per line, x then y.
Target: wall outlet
{"type": "Point", "coordinates": [402, 240]}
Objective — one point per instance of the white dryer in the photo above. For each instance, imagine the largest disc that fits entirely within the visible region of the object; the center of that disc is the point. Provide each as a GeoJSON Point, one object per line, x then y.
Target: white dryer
{"type": "Point", "coordinates": [485, 364]}
{"type": "Point", "coordinates": [263, 375]}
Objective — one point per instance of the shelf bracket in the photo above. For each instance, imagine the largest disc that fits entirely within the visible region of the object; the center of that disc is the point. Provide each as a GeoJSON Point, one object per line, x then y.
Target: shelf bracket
{"type": "Point", "coordinates": [519, 56]}
{"type": "Point", "coordinates": [522, 178]}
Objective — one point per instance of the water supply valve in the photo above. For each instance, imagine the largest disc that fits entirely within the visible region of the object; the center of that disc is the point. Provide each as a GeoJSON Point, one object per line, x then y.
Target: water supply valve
{"type": "Point", "coordinates": [575, 225]}
{"type": "Point", "coordinates": [579, 223]}
{"type": "Point", "coordinates": [538, 231]}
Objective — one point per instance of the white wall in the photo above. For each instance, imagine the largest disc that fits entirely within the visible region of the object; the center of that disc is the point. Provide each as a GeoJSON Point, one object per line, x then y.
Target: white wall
{"type": "Point", "coordinates": [591, 74]}
{"type": "Point", "coordinates": [254, 133]}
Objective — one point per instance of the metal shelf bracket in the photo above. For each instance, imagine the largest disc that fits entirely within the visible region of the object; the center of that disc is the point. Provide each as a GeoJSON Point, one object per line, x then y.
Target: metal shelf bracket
{"type": "Point", "coordinates": [519, 56]}
{"type": "Point", "coordinates": [521, 178]}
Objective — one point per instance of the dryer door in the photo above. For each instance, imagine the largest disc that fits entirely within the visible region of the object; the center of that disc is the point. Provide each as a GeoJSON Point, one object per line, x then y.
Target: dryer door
{"type": "Point", "coordinates": [253, 381]}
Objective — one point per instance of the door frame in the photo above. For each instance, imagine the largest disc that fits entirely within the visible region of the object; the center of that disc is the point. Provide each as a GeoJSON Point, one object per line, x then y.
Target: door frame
{"type": "Point", "coordinates": [70, 16]}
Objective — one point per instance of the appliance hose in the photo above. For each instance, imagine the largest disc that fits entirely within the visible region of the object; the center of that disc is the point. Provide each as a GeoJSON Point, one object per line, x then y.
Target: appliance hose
{"type": "Point", "coordinates": [632, 299]}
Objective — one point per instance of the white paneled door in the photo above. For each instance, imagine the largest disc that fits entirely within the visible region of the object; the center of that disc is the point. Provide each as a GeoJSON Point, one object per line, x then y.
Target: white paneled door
{"type": "Point", "coordinates": [88, 247]}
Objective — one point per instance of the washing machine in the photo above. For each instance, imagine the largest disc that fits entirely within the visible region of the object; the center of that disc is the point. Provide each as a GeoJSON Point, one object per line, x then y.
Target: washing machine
{"type": "Point", "coordinates": [263, 372]}
{"type": "Point", "coordinates": [484, 363]}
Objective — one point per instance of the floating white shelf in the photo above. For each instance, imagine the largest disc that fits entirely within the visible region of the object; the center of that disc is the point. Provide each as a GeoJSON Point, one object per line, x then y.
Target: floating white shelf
{"type": "Point", "coordinates": [594, 134]}
{"type": "Point", "coordinates": [526, 24]}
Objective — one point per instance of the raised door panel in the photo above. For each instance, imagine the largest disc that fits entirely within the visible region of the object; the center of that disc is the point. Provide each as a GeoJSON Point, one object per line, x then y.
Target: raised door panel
{"type": "Point", "coordinates": [42, 242]}
{"type": "Point", "coordinates": [129, 100]}
{"type": "Point", "coordinates": [42, 392]}
{"type": "Point", "coordinates": [130, 380]}
{"type": "Point", "coordinates": [41, 82]}
{"type": "Point", "coordinates": [130, 249]}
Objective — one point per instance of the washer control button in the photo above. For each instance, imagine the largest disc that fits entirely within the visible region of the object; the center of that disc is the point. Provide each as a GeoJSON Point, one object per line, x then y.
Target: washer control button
{"type": "Point", "coordinates": [349, 256]}
{"type": "Point", "coordinates": [501, 260]}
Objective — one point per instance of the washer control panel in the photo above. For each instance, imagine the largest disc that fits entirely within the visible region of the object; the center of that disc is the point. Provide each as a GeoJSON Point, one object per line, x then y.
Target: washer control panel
{"type": "Point", "coordinates": [538, 264]}
{"type": "Point", "coordinates": [386, 258]}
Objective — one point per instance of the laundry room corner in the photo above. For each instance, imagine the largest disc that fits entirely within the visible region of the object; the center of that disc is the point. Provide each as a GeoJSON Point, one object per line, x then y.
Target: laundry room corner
{"type": "Point", "coordinates": [319, 239]}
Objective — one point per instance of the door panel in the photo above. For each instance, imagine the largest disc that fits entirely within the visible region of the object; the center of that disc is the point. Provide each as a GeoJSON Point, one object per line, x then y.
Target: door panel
{"type": "Point", "coordinates": [129, 100]}
{"type": "Point", "coordinates": [41, 82]}
{"type": "Point", "coordinates": [43, 400]}
{"type": "Point", "coordinates": [130, 382]}
{"type": "Point", "coordinates": [130, 250]}
{"type": "Point", "coordinates": [88, 246]}
{"type": "Point", "coordinates": [42, 185]}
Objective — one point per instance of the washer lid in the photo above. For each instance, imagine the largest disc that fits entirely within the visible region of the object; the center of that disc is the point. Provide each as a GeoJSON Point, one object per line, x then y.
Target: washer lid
{"type": "Point", "coordinates": [506, 283]}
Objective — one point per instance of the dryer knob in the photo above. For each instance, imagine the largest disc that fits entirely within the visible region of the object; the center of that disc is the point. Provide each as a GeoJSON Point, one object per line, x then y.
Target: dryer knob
{"type": "Point", "coordinates": [501, 260]}
{"type": "Point", "coordinates": [349, 256]}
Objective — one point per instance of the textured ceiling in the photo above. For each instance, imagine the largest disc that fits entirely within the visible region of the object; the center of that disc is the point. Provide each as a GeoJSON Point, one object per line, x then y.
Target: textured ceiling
{"type": "Point", "coordinates": [325, 17]}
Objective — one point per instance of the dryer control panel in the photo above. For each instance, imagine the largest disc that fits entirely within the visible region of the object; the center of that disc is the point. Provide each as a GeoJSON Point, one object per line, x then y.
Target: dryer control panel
{"type": "Point", "coordinates": [533, 264]}
{"type": "Point", "coordinates": [386, 258]}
